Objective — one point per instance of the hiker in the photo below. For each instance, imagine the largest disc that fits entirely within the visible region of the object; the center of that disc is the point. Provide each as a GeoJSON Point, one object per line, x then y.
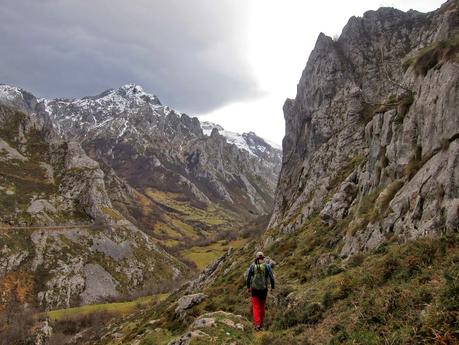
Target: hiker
{"type": "Point", "coordinates": [258, 277]}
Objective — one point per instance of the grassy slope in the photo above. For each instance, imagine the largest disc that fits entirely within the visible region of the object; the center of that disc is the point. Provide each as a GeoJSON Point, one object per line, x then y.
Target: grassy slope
{"type": "Point", "coordinates": [401, 293]}
{"type": "Point", "coordinates": [183, 219]}
{"type": "Point", "coordinates": [183, 228]}
{"type": "Point", "coordinates": [204, 255]}
{"type": "Point", "coordinates": [115, 308]}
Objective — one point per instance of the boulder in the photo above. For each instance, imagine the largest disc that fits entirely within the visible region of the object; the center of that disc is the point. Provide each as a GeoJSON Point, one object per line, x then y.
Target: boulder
{"type": "Point", "coordinates": [188, 302]}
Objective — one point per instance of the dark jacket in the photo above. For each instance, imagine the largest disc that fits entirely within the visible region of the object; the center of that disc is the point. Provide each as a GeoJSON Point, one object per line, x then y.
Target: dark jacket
{"type": "Point", "coordinates": [269, 276]}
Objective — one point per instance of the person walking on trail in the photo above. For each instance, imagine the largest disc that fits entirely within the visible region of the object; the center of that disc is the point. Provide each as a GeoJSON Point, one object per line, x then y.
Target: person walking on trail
{"type": "Point", "coordinates": [259, 276]}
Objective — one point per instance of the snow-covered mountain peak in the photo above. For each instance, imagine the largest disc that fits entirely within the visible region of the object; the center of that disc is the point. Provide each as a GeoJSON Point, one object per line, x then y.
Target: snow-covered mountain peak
{"type": "Point", "coordinates": [128, 95]}
{"type": "Point", "coordinates": [136, 92]}
{"type": "Point", "coordinates": [249, 142]}
{"type": "Point", "coordinates": [207, 127]}
{"type": "Point", "coordinates": [10, 94]}
{"type": "Point", "coordinates": [13, 96]}
{"type": "Point", "coordinates": [8, 90]}
{"type": "Point", "coordinates": [94, 111]}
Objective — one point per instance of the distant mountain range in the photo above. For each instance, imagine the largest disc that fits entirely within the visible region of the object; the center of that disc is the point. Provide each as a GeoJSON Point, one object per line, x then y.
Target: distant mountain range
{"type": "Point", "coordinates": [119, 158]}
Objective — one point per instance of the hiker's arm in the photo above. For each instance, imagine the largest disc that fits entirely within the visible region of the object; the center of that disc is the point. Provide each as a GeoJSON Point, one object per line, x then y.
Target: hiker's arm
{"type": "Point", "coordinates": [249, 277]}
{"type": "Point", "coordinates": [271, 276]}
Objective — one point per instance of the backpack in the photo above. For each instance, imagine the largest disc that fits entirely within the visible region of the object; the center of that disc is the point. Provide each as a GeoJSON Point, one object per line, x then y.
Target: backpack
{"type": "Point", "coordinates": [259, 277]}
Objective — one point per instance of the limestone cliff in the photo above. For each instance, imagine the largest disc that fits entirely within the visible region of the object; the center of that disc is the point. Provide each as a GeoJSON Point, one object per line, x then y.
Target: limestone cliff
{"type": "Point", "coordinates": [372, 135]}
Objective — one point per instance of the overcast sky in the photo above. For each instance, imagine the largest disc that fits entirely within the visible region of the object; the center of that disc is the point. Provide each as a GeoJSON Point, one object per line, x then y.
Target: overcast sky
{"type": "Point", "coordinates": [233, 62]}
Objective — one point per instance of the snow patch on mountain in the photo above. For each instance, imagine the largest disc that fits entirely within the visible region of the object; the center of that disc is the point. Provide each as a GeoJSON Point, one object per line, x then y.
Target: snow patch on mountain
{"type": "Point", "coordinates": [9, 93]}
{"type": "Point", "coordinates": [127, 96]}
{"type": "Point", "coordinates": [231, 137]}
{"type": "Point", "coordinates": [243, 141]}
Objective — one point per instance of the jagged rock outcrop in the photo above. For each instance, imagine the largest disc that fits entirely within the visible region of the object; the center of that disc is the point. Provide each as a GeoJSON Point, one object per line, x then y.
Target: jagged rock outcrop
{"type": "Point", "coordinates": [218, 326]}
{"type": "Point", "coordinates": [375, 126]}
{"type": "Point", "coordinates": [34, 153]}
{"type": "Point", "coordinates": [187, 302]}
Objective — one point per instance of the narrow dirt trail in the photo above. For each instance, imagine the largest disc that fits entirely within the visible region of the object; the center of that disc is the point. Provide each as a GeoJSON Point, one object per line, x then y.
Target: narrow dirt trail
{"type": "Point", "coordinates": [62, 227]}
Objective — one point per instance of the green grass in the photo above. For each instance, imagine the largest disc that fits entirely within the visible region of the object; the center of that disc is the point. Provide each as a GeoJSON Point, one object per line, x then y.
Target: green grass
{"type": "Point", "coordinates": [210, 216]}
{"type": "Point", "coordinates": [110, 212]}
{"type": "Point", "coordinates": [120, 308]}
{"type": "Point", "coordinates": [203, 256]}
{"type": "Point", "coordinates": [399, 293]}
{"type": "Point", "coordinates": [396, 294]}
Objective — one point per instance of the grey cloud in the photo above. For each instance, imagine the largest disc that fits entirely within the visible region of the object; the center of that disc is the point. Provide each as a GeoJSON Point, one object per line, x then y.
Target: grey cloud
{"type": "Point", "coordinates": [190, 53]}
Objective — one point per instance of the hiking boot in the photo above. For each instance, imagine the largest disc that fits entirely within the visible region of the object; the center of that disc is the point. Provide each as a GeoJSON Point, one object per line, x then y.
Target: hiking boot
{"type": "Point", "coordinates": [258, 328]}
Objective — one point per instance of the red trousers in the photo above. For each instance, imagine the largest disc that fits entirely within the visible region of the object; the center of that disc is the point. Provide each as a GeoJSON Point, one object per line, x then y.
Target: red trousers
{"type": "Point", "coordinates": [258, 309]}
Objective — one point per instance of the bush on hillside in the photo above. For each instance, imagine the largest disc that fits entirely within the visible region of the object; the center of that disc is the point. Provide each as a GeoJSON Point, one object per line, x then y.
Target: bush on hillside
{"type": "Point", "coordinates": [306, 314]}
{"type": "Point", "coordinates": [73, 324]}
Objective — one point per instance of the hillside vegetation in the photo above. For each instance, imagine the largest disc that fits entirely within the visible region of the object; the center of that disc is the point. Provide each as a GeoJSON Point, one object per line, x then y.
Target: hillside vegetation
{"type": "Point", "coordinates": [400, 293]}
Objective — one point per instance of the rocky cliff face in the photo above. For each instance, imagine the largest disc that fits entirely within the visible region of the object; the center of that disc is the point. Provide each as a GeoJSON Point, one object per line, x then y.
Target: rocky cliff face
{"type": "Point", "coordinates": [33, 156]}
{"type": "Point", "coordinates": [372, 136]}
{"type": "Point", "coordinates": [61, 241]}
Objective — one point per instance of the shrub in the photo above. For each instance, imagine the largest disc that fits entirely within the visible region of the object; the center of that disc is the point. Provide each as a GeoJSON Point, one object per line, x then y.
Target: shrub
{"type": "Point", "coordinates": [415, 163]}
{"type": "Point", "coordinates": [341, 291]}
{"type": "Point", "coordinates": [58, 339]}
{"type": "Point", "coordinates": [386, 196]}
{"type": "Point", "coordinates": [148, 341]}
{"type": "Point", "coordinates": [311, 314]}
{"type": "Point", "coordinates": [327, 299]}
{"type": "Point", "coordinates": [404, 103]}
{"type": "Point", "coordinates": [372, 310]}
{"type": "Point", "coordinates": [366, 206]}
{"type": "Point", "coordinates": [436, 55]}
{"type": "Point", "coordinates": [339, 335]}
{"type": "Point", "coordinates": [73, 324]}
{"type": "Point", "coordinates": [332, 269]}
{"type": "Point", "coordinates": [16, 322]}
{"type": "Point", "coordinates": [307, 313]}
{"type": "Point", "coordinates": [41, 276]}
{"type": "Point", "coordinates": [356, 260]}
{"type": "Point", "coordinates": [389, 266]}
{"type": "Point", "coordinates": [449, 295]}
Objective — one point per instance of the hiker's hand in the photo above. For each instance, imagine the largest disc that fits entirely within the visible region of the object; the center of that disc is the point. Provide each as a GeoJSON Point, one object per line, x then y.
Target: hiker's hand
{"type": "Point", "coordinates": [249, 290]}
